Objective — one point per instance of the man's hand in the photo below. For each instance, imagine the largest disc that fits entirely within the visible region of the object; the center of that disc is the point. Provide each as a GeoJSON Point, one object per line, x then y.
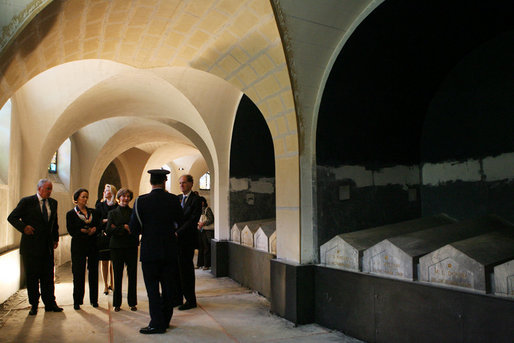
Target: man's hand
{"type": "Point", "coordinates": [56, 244]}
{"type": "Point", "coordinates": [29, 230]}
{"type": "Point", "coordinates": [91, 231]}
{"type": "Point", "coordinates": [126, 227]}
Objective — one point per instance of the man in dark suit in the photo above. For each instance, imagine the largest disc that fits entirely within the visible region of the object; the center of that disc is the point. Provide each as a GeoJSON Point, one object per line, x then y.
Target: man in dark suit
{"type": "Point", "coordinates": [156, 216]}
{"type": "Point", "coordinates": [188, 240]}
{"type": "Point", "coordinates": [36, 218]}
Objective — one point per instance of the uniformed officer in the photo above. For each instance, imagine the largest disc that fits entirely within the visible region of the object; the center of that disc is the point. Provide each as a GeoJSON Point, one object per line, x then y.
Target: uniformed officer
{"type": "Point", "coordinates": [156, 216]}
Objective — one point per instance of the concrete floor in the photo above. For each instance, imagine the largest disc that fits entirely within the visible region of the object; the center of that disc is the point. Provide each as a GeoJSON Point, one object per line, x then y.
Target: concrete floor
{"type": "Point", "coordinates": [227, 312]}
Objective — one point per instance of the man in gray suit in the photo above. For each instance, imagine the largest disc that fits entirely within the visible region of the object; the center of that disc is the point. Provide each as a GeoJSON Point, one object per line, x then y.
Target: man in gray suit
{"type": "Point", "coordinates": [36, 218]}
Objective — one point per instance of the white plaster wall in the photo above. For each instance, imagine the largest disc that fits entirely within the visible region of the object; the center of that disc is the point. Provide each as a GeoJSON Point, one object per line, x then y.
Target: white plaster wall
{"type": "Point", "coordinates": [499, 167]}
{"type": "Point", "coordinates": [9, 274]}
{"type": "Point", "coordinates": [398, 175]}
{"type": "Point", "coordinates": [5, 135]}
{"type": "Point", "coordinates": [7, 231]}
{"type": "Point", "coordinates": [494, 168]}
{"type": "Point", "coordinates": [64, 164]}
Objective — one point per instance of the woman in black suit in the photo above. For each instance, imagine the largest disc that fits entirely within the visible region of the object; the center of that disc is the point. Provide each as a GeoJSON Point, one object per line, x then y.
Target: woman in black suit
{"type": "Point", "coordinates": [123, 247]}
{"type": "Point", "coordinates": [81, 223]}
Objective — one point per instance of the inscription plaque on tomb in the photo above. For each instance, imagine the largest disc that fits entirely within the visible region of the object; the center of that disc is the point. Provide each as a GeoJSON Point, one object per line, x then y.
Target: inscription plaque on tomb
{"type": "Point", "coordinates": [405, 250]}
{"type": "Point", "coordinates": [346, 250]}
{"type": "Point", "coordinates": [262, 236]}
{"type": "Point", "coordinates": [386, 262]}
{"type": "Point", "coordinates": [247, 234]}
{"type": "Point", "coordinates": [235, 234]}
{"type": "Point", "coordinates": [504, 279]}
{"type": "Point", "coordinates": [249, 230]}
{"type": "Point", "coordinates": [468, 263]}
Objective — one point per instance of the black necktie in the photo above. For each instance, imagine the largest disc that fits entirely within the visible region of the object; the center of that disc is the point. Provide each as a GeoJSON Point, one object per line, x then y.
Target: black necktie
{"type": "Point", "coordinates": [184, 201]}
{"type": "Point", "coordinates": [45, 211]}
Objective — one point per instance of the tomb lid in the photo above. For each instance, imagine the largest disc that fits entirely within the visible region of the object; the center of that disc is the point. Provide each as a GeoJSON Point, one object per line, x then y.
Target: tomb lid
{"type": "Point", "coordinates": [363, 239]}
{"type": "Point", "coordinates": [241, 225]}
{"type": "Point", "coordinates": [268, 228]}
{"type": "Point", "coordinates": [488, 249]}
{"type": "Point", "coordinates": [419, 243]}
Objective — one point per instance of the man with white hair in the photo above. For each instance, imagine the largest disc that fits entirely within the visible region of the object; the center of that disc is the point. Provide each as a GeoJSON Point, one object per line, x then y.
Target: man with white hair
{"type": "Point", "coordinates": [36, 218]}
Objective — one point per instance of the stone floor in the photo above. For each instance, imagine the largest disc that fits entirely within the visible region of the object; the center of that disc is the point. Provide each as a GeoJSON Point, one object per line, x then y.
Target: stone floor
{"type": "Point", "coordinates": [227, 312]}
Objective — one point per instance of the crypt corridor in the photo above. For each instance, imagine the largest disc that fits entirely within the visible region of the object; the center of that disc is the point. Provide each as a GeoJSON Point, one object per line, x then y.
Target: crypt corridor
{"type": "Point", "coordinates": [327, 116]}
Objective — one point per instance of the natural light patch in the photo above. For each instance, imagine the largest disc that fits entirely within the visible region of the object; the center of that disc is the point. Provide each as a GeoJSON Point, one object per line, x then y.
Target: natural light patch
{"type": "Point", "coordinates": [205, 181]}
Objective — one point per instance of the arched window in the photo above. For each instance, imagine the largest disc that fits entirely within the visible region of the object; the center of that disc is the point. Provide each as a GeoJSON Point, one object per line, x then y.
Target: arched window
{"type": "Point", "coordinates": [52, 167]}
{"type": "Point", "coordinates": [205, 181]}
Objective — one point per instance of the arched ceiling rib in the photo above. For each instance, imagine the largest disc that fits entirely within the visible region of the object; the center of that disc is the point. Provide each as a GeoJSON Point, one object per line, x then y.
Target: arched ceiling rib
{"type": "Point", "coordinates": [131, 93]}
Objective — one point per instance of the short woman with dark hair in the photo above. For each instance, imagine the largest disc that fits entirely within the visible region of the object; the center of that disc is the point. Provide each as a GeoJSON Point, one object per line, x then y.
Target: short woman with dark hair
{"type": "Point", "coordinates": [82, 223]}
{"type": "Point", "coordinates": [123, 247]}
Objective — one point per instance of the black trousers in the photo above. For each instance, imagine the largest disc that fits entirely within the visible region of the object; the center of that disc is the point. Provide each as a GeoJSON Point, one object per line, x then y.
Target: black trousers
{"type": "Point", "coordinates": [121, 257]}
{"type": "Point", "coordinates": [187, 273]}
{"type": "Point", "coordinates": [39, 271]}
{"type": "Point", "coordinates": [204, 250]}
{"type": "Point", "coordinates": [159, 275]}
{"type": "Point", "coordinates": [80, 255]}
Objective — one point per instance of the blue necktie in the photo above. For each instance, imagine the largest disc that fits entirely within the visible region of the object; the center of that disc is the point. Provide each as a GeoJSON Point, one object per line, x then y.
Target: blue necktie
{"type": "Point", "coordinates": [45, 211]}
{"type": "Point", "coordinates": [183, 201]}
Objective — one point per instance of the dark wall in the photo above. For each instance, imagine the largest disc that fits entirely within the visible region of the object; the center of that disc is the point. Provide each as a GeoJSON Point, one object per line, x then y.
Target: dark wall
{"type": "Point", "coordinates": [380, 110]}
{"type": "Point", "coordinates": [470, 120]}
{"type": "Point", "coordinates": [263, 205]}
{"type": "Point", "coordinates": [367, 207]}
{"type": "Point", "coordinates": [250, 267]}
{"type": "Point", "coordinates": [378, 309]}
{"type": "Point", "coordinates": [252, 159]}
{"type": "Point", "coordinates": [110, 176]}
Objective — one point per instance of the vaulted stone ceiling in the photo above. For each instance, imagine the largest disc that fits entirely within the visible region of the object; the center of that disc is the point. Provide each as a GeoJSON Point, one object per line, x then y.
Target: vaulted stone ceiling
{"type": "Point", "coordinates": [126, 58]}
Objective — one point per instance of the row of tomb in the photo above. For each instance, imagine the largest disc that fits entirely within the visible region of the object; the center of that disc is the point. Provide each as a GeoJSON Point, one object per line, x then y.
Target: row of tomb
{"type": "Point", "coordinates": [476, 255]}
{"type": "Point", "coordinates": [258, 234]}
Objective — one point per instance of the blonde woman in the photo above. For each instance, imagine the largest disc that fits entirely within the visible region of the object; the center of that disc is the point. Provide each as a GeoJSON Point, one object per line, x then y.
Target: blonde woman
{"type": "Point", "coordinates": [103, 206]}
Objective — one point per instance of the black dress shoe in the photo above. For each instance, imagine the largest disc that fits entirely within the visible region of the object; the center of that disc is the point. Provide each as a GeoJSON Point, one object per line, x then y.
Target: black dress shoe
{"type": "Point", "coordinates": [186, 306]}
{"type": "Point", "coordinates": [94, 304]}
{"type": "Point", "coordinates": [76, 307]}
{"type": "Point", "coordinates": [150, 330]}
{"type": "Point", "coordinates": [33, 310]}
{"type": "Point", "coordinates": [53, 308]}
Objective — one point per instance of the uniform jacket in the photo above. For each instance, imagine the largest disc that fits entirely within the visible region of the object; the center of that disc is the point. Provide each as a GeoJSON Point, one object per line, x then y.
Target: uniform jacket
{"type": "Point", "coordinates": [28, 212]}
{"type": "Point", "coordinates": [160, 215]}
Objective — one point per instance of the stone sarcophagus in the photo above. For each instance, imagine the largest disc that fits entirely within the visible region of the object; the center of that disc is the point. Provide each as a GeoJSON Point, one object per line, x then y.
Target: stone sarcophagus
{"type": "Point", "coordinates": [273, 243]}
{"type": "Point", "coordinates": [504, 279]}
{"type": "Point", "coordinates": [249, 230]}
{"type": "Point", "coordinates": [263, 234]}
{"type": "Point", "coordinates": [398, 256]}
{"type": "Point", "coordinates": [468, 263]}
{"type": "Point", "coordinates": [235, 233]}
{"type": "Point", "coordinates": [236, 230]}
{"type": "Point", "coordinates": [346, 250]}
